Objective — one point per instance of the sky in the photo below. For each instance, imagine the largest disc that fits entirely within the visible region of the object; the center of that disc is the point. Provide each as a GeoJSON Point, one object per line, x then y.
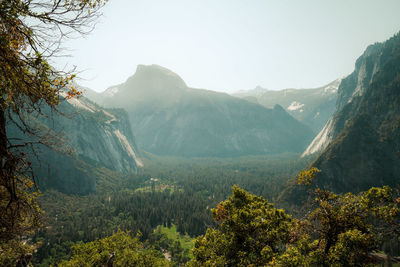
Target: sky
{"type": "Point", "coordinates": [231, 45]}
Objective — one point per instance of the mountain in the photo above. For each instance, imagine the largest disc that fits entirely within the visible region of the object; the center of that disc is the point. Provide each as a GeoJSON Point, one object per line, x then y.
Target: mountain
{"type": "Point", "coordinates": [170, 118]}
{"type": "Point", "coordinates": [312, 107]}
{"type": "Point", "coordinates": [362, 144]}
{"type": "Point", "coordinates": [84, 138]}
{"type": "Point", "coordinates": [98, 134]}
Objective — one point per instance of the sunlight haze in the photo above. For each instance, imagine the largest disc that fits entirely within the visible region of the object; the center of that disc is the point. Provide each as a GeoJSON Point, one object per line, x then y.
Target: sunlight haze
{"type": "Point", "coordinates": [231, 45]}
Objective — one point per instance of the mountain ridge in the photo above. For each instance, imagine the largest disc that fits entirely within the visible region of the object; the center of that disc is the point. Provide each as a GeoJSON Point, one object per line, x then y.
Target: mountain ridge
{"type": "Point", "coordinates": [312, 107]}
{"type": "Point", "coordinates": [170, 118]}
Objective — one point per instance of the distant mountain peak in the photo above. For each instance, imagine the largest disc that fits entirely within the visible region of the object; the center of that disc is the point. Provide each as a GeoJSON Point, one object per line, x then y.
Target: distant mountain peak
{"type": "Point", "coordinates": [170, 118]}
{"type": "Point", "coordinates": [332, 88]}
{"type": "Point", "coordinates": [154, 67]}
{"type": "Point", "coordinates": [158, 73]}
{"type": "Point", "coordinates": [312, 106]}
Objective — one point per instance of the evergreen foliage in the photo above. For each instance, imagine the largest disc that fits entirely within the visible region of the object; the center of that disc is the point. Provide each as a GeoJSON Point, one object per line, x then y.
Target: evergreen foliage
{"type": "Point", "coordinates": [341, 230]}
{"type": "Point", "coordinates": [193, 188]}
{"type": "Point", "coordinates": [128, 252]}
{"type": "Point", "coordinates": [251, 232]}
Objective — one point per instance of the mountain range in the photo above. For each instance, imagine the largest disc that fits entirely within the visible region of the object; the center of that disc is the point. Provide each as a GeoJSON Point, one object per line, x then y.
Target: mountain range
{"type": "Point", "coordinates": [170, 118]}
{"type": "Point", "coordinates": [155, 111]}
{"type": "Point", "coordinates": [312, 107]}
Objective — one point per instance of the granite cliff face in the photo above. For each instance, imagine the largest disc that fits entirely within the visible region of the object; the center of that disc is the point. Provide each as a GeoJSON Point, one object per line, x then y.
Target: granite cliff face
{"type": "Point", "coordinates": [170, 118]}
{"type": "Point", "coordinates": [362, 148]}
{"type": "Point", "coordinates": [366, 149]}
{"type": "Point", "coordinates": [86, 137]}
{"type": "Point", "coordinates": [312, 107]}
{"type": "Point", "coordinates": [350, 89]}
{"type": "Point", "coordinates": [100, 135]}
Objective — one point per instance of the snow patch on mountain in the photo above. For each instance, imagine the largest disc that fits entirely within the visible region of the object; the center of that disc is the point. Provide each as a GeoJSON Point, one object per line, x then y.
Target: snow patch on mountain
{"type": "Point", "coordinates": [295, 106]}
{"type": "Point", "coordinates": [333, 87]}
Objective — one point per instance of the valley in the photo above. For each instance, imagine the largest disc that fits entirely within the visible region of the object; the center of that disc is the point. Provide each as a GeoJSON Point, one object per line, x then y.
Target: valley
{"type": "Point", "coordinates": [154, 171]}
{"type": "Point", "coordinates": [191, 188]}
{"type": "Point", "coordinates": [177, 152]}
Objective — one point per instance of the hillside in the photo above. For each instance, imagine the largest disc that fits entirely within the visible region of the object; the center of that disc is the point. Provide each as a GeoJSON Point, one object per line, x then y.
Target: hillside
{"type": "Point", "coordinates": [83, 140]}
{"type": "Point", "coordinates": [170, 118]}
{"type": "Point", "coordinates": [312, 107]}
{"type": "Point", "coordinates": [363, 148]}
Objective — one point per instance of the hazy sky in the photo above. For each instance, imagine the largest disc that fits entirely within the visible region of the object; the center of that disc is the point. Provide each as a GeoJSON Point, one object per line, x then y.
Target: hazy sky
{"type": "Point", "coordinates": [228, 45]}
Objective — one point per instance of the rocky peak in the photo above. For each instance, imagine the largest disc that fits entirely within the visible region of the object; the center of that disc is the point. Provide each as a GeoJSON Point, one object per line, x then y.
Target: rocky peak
{"type": "Point", "coordinates": [150, 82]}
{"type": "Point", "coordinates": [156, 77]}
{"type": "Point", "coordinates": [365, 68]}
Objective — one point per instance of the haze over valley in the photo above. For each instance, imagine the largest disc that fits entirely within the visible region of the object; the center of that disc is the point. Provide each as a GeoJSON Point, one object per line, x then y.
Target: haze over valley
{"type": "Point", "coordinates": [153, 171]}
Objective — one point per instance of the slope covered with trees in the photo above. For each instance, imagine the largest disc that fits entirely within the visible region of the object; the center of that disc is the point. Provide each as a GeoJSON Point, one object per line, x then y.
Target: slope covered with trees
{"type": "Point", "coordinates": [172, 191]}
{"type": "Point", "coordinates": [336, 230]}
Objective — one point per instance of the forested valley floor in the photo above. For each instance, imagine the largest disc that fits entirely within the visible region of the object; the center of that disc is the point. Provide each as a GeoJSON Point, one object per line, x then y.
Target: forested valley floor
{"type": "Point", "coordinates": [172, 195]}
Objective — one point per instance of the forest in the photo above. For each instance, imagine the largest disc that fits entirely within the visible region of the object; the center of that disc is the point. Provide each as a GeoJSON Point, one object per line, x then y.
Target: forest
{"type": "Point", "coordinates": [347, 229]}
{"type": "Point", "coordinates": [90, 195]}
{"type": "Point", "coordinates": [174, 191]}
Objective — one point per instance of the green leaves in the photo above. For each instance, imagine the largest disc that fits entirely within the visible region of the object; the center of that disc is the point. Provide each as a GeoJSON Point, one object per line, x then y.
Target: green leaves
{"type": "Point", "coordinates": [346, 228]}
{"type": "Point", "coordinates": [31, 33]}
{"type": "Point", "coordinates": [128, 252]}
{"type": "Point", "coordinates": [251, 231]}
{"type": "Point", "coordinates": [306, 177]}
{"type": "Point", "coordinates": [341, 230]}
{"type": "Point", "coordinates": [352, 248]}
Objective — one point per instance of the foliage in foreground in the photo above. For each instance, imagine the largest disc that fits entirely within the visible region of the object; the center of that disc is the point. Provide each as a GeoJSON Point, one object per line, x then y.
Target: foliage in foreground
{"type": "Point", "coordinates": [341, 230]}
{"type": "Point", "coordinates": [251, 231]}
{"type": "Point", "coordinates": [11, 251]}
{"type": "Point", "coordinates": [128, 252]}
{"type": "Point", "coordinates": [31, 33]}
{"type": "Point", "coordinates": [169, 240]}
{"type": "Point", "coordinates": [201, 184]}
